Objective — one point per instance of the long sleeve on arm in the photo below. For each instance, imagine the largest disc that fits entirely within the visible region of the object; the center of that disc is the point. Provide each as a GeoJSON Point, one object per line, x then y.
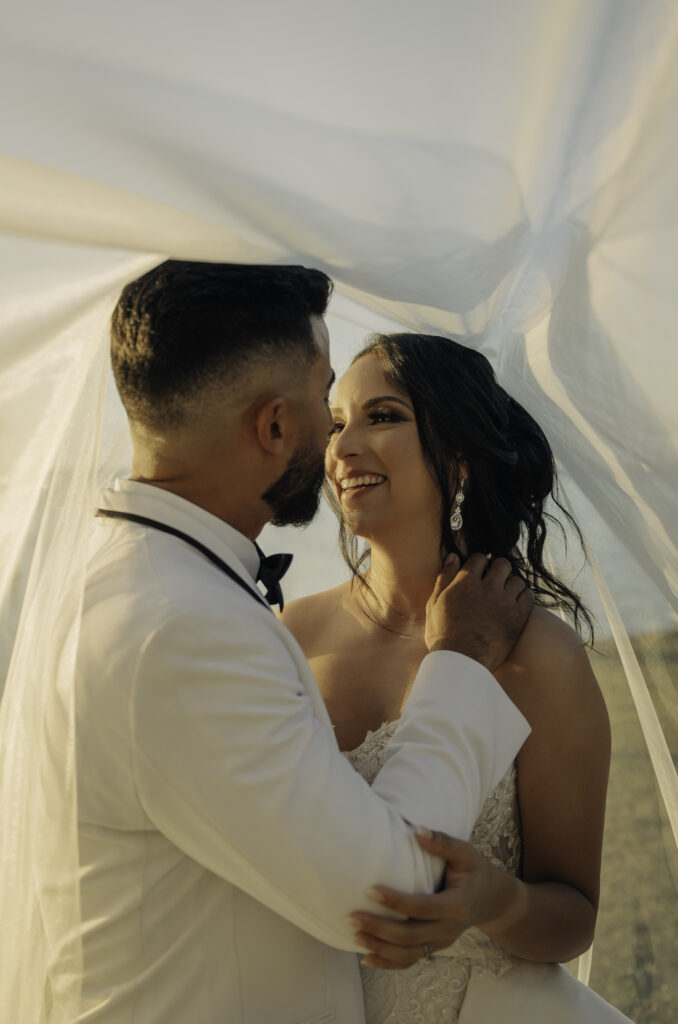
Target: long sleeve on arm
{"type": "Point", "coordinates": [440, 766]}
{"type": "Point", "coordinates": [234, 765]}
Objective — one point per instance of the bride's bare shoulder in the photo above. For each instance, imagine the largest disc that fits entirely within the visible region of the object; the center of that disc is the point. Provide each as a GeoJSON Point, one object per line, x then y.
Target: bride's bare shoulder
{"type": "Point", "coordinates": [308, 618]}
{"type": "Point", "coordinates": [548, 672]}
{"type": "Point", "coordinates": [546, 635]}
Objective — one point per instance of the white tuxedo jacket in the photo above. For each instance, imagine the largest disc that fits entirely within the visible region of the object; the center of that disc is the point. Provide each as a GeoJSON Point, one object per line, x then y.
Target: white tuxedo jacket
{"type": "Point", "coordinates": [223, 837]}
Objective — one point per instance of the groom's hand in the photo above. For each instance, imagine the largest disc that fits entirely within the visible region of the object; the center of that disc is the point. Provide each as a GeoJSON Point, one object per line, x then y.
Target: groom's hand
{"type": "Point", "coordinates": [475, 893]}
{"type": "Point", "coordinates": [478, 610]}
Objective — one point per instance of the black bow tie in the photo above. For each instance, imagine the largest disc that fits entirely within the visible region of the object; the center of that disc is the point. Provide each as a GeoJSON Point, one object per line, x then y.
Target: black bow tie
{"type": "Point", "coordinates": [272, 568]}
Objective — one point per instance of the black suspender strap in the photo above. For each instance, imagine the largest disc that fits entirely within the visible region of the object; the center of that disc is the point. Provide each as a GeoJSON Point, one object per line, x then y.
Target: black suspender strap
{"type": "Point", "coordinates": [105, 513]}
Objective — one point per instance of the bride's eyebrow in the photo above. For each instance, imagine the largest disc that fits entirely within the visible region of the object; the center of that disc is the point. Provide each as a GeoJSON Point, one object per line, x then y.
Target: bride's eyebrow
{"type": "Point", "coordinates": [387, 398]}
{"type": "Point", "coordinates": [335, 409]}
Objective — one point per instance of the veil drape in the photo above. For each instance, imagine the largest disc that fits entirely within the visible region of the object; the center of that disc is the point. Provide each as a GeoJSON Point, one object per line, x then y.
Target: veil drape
{"type": "Point", "coordinates": [504, 173]}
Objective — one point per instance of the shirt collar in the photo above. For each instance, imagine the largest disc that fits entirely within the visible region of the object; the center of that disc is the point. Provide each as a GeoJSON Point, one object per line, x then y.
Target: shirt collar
{"type": "Point", "coordinates": [157, 503]}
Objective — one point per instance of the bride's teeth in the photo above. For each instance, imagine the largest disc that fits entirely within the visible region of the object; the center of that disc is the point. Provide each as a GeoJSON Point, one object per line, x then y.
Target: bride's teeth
{"type": "Point", "coordinates": [361, 481]}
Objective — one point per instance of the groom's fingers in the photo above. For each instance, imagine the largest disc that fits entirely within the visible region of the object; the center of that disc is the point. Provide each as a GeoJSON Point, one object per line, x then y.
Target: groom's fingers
{"type": "Point", "coordinates": [446, 575]}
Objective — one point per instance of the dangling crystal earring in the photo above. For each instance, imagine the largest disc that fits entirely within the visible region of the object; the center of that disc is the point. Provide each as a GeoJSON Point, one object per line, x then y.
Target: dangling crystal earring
{"type": "Point", "coordinates": [456, 521]}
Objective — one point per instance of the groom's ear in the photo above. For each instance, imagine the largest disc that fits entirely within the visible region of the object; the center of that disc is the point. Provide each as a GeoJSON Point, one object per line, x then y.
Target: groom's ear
{"type": "Point", "coordinates": [275, 425]}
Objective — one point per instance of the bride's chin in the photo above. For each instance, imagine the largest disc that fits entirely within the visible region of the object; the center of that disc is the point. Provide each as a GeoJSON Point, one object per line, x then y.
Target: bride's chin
{"type": "Point", "coordinates": [354, 525]}
{"type": "Point", "coordinates": [362, 527]}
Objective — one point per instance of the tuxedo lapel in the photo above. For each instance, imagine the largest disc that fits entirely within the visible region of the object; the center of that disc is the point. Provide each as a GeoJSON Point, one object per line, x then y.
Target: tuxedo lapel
{"type": "Point", "coordinates": [135, 498]}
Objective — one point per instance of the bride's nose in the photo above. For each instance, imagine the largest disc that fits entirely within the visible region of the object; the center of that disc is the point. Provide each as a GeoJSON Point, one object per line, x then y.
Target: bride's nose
{"type": "Point", "coordinates": [348, 441]}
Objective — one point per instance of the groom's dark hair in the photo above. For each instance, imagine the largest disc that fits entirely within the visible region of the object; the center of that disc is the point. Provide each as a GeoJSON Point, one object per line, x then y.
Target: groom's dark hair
{"type": "Point", "coordinates": [184, 325]}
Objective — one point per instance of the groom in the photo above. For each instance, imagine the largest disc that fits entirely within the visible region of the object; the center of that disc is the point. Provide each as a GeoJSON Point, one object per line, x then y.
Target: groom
{"type": "Point", "coordinates": [224, 839]}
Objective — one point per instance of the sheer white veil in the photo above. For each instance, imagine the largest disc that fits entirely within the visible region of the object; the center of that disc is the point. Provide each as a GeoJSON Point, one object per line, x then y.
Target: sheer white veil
{"type": "Point", "coordinates": [501, 173]}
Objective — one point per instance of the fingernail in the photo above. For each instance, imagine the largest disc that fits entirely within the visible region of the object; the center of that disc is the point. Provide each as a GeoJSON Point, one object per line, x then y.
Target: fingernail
{"type": "Point", "coordinates": [425, 833]}
{"type": "Point", "coordinates": [374, 894]}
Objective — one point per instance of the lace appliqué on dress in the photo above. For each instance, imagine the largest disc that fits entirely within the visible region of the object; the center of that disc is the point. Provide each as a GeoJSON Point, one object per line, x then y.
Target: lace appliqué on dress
{"type": "Point", "coordinates": [432, 992]}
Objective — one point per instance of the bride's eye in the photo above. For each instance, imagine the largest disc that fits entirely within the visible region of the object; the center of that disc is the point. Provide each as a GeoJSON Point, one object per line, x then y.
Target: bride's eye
{"type": "Point", "coordinates": [385, 416]}
{"type": "Point", "coordinates": [335, 428]}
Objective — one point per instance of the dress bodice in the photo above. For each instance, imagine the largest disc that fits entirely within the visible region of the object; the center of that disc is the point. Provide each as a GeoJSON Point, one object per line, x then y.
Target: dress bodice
{"type": "Point", "coordinates": [431, 992]}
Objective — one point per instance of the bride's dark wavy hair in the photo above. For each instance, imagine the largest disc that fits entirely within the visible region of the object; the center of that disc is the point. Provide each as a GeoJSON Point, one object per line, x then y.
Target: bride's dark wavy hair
{"type": "Point", "coordinates": [464, 415]}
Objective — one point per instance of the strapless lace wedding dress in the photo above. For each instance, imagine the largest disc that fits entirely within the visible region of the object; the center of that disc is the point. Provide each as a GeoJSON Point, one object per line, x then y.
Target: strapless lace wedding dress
{"type": "Point", "coordinates": [431, 992]}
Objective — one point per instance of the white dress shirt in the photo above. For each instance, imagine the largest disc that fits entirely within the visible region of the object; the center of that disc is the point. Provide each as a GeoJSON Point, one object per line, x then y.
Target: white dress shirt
{"type": "Point", "coordinates": [224, 838]}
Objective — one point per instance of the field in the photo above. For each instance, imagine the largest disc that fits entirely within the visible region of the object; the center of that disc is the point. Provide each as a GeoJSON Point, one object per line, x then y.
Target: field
{"type": "Point", "coordinates": [635, 955]}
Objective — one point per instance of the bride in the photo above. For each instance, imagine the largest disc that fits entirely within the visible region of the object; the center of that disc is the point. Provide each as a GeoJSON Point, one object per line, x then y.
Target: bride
{"type": "Point", "coordinates": [429, 455]}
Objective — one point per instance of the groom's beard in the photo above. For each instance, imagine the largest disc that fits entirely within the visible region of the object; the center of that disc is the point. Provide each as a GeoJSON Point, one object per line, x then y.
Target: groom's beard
{"type": "Point", "coordinates": [294, 498]}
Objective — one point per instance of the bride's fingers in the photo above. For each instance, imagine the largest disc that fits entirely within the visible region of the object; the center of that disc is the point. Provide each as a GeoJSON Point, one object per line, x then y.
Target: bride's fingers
{"type": "Point", "coordinates": [386, 965]}
{"type": "Point", "coordinates": [395, 955]}
{"type": "Point", "coordinates": [403, 943]}
{"type": "Point", "coordinates": [426, 908]}
{"type": "Point", "coordinates": [390, 965]}
{"type": "Point", "coordinates": [401, 956]}
{"type": "Point", "coordinates": [456, 852]}
{"type": "Point", "coordinates": [403, 933]}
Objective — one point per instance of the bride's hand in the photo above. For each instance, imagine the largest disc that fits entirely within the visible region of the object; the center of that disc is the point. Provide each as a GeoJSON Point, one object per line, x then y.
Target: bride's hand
{"type": "Point", "coordinates": [475, 893]}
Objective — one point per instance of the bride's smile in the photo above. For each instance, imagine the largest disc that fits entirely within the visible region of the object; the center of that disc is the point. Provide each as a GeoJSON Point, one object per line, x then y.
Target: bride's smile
{"type": "Point", "coordinates": [350, 486]}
